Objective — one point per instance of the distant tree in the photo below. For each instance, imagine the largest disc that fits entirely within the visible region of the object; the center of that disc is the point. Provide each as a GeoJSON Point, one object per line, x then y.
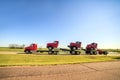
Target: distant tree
{"type": "Point", "coordinates": [16, 46]}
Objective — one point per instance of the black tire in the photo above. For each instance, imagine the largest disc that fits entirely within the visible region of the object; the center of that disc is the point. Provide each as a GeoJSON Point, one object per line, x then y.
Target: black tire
{"type": "Point", "coordinates": [50, 48]}
{"type": "Point", "coordinates": [55, 52]}
{"type": "Point", "coordinates": [50, 52]}
{"type": "Point", "coordinates": [95, 52]}
{"type": "Point", "coordinates": [27, 51]}
{"type": "Point", "coordinates": [74, 48]}
{"type": "Point", "coordinates": [91, 52]}
{"type": "Point", "coordinates": [87, 52]}
{"type": "Point", "coordinates": [73, 52]}
{"type": "Point", "coordinates": [77, 53]}
{"type": "Point", "coordinates": [70, 52]}
{"type": "Point", "coordinates": [105, 52]}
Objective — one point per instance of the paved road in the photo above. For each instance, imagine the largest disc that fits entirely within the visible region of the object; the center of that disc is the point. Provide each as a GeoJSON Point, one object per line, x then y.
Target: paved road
{"type": "Point", "coordinates": [85, 71]}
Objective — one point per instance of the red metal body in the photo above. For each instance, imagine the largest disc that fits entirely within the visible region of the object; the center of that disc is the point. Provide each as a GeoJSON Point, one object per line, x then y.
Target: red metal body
{"type": "Point", "coordinates": [92, 46]}
{"type": "Point", "coordinates": [100, 51]}
{"type": "Point", "coordinates": [53, 45]}
{"type": "Point", "coordinates": [77, 44]}
{"type": "Point", "coordinates": [74, 46]}
{"type": "Point", "coordinates": [92, 49]}
{"type": "Point", "coordinates": [32, 47]}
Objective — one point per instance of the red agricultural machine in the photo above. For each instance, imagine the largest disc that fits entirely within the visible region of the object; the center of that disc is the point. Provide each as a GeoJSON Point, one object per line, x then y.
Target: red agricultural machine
{"type": "Point", "coordinates": [92, 49]}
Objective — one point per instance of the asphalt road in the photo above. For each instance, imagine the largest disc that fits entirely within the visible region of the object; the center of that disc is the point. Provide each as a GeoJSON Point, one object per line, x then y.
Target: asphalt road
{"type": "Point", "coordinates": [84, 71]}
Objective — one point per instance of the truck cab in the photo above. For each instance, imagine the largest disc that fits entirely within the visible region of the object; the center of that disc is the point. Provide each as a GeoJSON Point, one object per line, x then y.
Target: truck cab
{"type": "Point", "coordinates": [31, 48]}
{"type": "Point", "coordinates": [92, 46]}
{"type": "Point", "coordinates": [74, 46]}
{"type": "Point", "coordinates": [53, 45]}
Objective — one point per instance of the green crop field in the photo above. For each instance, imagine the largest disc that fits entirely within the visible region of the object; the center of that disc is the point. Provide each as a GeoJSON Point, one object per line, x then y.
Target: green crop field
{"type": "Point", "coordinates": [36, 60]}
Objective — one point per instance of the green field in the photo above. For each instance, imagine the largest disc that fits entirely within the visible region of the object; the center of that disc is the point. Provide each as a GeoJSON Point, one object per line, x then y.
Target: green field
{"type": "Point", "coordinates": [5, 49]}
{"type": "Point", "coordinates": [112, 50]}
{"type": "Point", "coordinates": [36, 60]}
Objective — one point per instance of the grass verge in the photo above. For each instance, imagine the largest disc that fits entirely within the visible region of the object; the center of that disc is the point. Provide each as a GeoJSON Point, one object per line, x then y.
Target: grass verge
{"type": "Point", "coordinates": [7, 49]}
{"type": "Point", "coordinates": [36, 60]}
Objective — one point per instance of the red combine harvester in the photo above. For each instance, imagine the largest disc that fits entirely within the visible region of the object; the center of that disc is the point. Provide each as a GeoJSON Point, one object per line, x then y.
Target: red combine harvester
{"type": "Point", "coordinates": [92, 49]}
{"type": "Point", "coordinates": [75, 47]}
{"type": "Point", "coordinates": [51, 48]}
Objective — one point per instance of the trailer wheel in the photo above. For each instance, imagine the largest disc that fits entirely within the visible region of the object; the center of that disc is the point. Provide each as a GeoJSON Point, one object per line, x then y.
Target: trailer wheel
{"type": "Point", "coordinates": [49, 52]}
{"type": "Point", "coordinates": [105, 52]}
{"type": "Point", "coordinates": [87, 52]}
{"type": "Point", "coordinates": [91, 52]}
{"type": "Point", "coordinates": [95, 52]}
{"type": "Point", "coordinates": [72, 52]}
{"type": "Point", "coordinates": [55, 52]}
{"type": "Point", "coordinates": [77, 53]}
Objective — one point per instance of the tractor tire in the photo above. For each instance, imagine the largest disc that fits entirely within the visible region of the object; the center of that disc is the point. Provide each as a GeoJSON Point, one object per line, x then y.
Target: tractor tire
{"type": "Point", "coordinates": [50, 52]}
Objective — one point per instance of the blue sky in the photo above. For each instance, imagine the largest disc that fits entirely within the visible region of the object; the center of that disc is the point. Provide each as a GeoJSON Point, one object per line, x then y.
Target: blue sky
{"type": "Point", "coordinates": [42, 21]}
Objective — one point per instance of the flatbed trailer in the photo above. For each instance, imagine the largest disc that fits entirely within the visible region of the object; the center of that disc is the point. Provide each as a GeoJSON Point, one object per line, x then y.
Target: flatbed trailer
{"type": "Point", "coordinates": [53, 51]}
{"type": "Point", "coordinates": [74, 48]}
{"type": "Point", "coordinates": [72, 52]}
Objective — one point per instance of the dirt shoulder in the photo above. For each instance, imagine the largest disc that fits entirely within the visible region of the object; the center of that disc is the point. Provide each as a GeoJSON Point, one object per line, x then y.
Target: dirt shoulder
{"type": "Point", "coordinates": [10, 52]}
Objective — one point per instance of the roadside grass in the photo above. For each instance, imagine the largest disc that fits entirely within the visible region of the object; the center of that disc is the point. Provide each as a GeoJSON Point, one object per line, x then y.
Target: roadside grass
{"type": "Point", "coordinates": [37, 60]}
{"type": "Point", "coordinates": [5, 49]}
{"type": "Point", "coordinates": [112, 50]}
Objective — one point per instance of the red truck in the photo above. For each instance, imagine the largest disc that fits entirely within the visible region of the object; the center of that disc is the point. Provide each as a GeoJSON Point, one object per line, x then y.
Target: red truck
{"type": "Point", "coordinates": [30, 49]}
{"type": "Point", "coordinates": [92, 49]}
{"type": "Point", "coordinates": [53, 45]}
{"type": "Point", "coordinates": [51, 48]}
{"type": "Point", "coordinates": [74, 48]}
